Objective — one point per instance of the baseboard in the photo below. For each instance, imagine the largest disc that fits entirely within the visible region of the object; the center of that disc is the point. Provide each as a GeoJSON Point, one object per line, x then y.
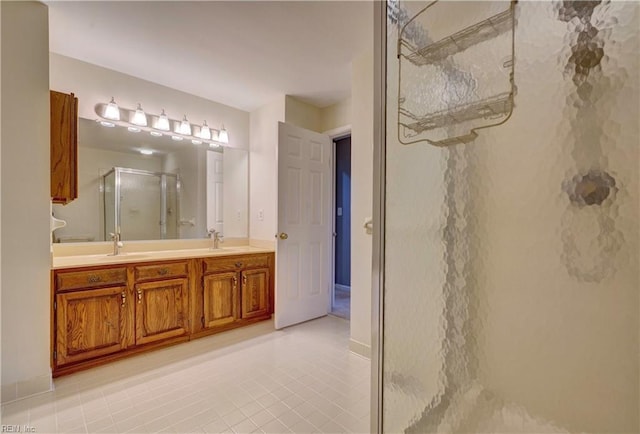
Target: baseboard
{"type": "Point", "coordinates": [359, 348]}
{"type": "Point", "coordinates": [24, 389]}
{"type": "Point", "coordinates": [344, 288]}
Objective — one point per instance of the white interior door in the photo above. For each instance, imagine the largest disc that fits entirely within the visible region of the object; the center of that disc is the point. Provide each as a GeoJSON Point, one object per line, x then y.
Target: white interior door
{"type": "Point", "coordinates": [303, 263]}
{"type": "Point", "coordinates": [215, 184]}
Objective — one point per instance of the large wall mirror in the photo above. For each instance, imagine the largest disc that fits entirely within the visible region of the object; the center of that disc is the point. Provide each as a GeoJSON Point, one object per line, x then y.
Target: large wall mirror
{"type": "Point", "coordinates": [153, 188]}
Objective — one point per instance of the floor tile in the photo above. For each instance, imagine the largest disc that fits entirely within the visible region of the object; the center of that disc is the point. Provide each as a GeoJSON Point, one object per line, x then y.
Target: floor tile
{"type": "Point", "coordinates": [301, 379]}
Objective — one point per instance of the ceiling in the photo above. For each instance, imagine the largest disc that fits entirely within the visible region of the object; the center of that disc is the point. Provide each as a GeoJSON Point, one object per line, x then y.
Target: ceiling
{"type": "Point", "coordinates": [240, 53]}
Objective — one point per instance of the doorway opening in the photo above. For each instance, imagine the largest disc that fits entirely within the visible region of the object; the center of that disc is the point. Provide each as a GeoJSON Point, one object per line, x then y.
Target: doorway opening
{"type": "Point", "coordinates": [341, 294]}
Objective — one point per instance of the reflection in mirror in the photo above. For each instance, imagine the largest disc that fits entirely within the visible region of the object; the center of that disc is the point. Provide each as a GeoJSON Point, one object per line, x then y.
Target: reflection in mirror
{"type": "Point", "coordinates": [153, 188]}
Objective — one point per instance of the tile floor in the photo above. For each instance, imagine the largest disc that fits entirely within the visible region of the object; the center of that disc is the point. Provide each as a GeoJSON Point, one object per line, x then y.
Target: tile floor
{"type": "Point", "coordinates": [302, 379]}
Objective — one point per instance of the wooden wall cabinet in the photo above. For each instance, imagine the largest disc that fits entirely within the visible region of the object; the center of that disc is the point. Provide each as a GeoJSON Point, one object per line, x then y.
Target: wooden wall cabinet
{"type": "Point", "coordinates": [64, 147]}
{"type": "Point", "coordinates": [105, 313]}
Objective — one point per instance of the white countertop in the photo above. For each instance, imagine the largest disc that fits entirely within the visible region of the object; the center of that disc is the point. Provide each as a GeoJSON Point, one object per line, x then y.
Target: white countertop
{"type": "Point", "coordinates": [61, 262]}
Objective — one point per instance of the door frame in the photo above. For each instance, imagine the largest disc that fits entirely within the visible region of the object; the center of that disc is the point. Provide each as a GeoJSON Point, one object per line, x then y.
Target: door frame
{"type": "Point", "coordinates": [334, 134]}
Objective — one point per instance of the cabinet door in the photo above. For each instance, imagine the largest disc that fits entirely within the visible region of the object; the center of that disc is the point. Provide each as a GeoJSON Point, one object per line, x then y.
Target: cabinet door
{"type": "Point", "coordinates": [92, 323]}
{"type": "Point", "coordinates": [255, 293]}
{"type": "Point", "coordinates": [64, 147]}
{"type": "Point", "coordinates": [220, 299]}
{"type": "Point", "coordinates": [161, 310]}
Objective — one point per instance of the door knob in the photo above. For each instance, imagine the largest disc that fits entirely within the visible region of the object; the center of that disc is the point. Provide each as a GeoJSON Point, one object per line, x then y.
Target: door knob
{"type": "Point", "coordinates": [283, 235]}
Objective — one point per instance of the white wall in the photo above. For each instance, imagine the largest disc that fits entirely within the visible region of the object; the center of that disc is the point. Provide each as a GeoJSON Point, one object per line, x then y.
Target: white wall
{"type": "Point", "coordinates": [263, 170]}
{"type": "Point", "coordinates": [361, 199]}
{"type": "Point", "coordinates": [93, 84]}
{"type": "Point", "coordinates": [85, 215]}
{"type": "Point", "coordinates": [25, 199]}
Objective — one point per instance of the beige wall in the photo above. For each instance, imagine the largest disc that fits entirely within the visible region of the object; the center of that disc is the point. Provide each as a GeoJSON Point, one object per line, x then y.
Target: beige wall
{"type": "Point", "coordinates": [263, 170]}
{"type": "Point", "coordinates": [361, 199]}
{"type": "Point", "coordinates": [302, 114]}
{"type": "Point", "coordinates": [25, 200]}
{"type": "Point", "coordinates": [336, 115]}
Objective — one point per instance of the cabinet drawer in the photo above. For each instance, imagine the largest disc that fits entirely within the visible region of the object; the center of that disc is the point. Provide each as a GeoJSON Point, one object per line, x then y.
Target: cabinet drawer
{"type": "Point", "coordinates": [161, 271]}
{"type": "Point", "coordinates": [213, 265]}
{"type": "Point", "coordinates": [66, 281]}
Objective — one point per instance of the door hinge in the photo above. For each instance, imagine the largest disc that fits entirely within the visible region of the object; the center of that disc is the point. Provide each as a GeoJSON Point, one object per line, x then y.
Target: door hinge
{"type": "Point", "coordinates": [55, 305]}
{"type": "Point", "coordinates": [55, 355]}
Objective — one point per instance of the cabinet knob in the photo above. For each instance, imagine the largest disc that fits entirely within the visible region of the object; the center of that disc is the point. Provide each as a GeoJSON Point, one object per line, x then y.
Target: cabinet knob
{"type": "Point", "coordinates": [238, 264]}
{"type": "Point", "coordinates": [163, 271]}
{"type": "Point", "coordinates": [94, 278]}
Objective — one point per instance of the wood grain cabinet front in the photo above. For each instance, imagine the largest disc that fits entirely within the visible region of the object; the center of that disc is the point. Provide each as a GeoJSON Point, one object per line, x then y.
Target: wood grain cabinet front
{"type": "Point", "coordinates": [92, 323]}
{"type": "Point", "coordinates": [220, 299]}
{"type": "Point", "coordinates": [64, 147]}
{"type": "Point", "coordinates": [255, 293]}
{"type": "Point", "coordinates": [105, 313]}
{"type": "Point", "coordinates": [161, 310]}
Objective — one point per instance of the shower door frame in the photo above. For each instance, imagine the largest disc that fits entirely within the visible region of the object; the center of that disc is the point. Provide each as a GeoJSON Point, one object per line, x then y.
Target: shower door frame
{"type": "Point", "coordinates": [163, 198]}
{"type": "Point", "coordinates": [379, 182]}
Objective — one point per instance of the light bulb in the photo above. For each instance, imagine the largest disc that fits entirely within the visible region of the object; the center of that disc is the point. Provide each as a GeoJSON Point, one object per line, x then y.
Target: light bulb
{"type": "Point", "coordinates": [163, 122]}
{"type": "Point", "coordinates": [176, 138]}
{"type": "Point", "coordinates": [112, 111]}
{"type": "Point", "coordinates": [139, 117]}
{"type": "Point", "coordinates": [223, 136]}
{"type": "Point", "coordinates": [146, 151]}
{"type": "Point", "coordinates": [196, 142]}
{"type": "Point", "coordinates": [205, 131]}
{"type": "Point", "coordinates": [133, 129]}
{"type": "Point", "coordinates": [185, 127]}
{"type": "Point", "coordinates": [155, 134]}
{"type": "Point", "coordinates": [107, 124]}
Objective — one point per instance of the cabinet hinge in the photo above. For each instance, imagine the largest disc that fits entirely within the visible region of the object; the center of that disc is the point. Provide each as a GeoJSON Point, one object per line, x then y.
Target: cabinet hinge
{"type": "Point", "coordinates": [202, 321]}
{"type": "Point", "coordinates": [55, 305]}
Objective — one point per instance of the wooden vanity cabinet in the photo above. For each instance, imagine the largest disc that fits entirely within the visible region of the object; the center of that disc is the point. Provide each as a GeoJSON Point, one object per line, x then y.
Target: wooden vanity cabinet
{"type": "Point", "coordinates": [92, 315]}
{"type": "Point", "coordinates": [161, 293]}
{"type": "Point", "coordinates": [64, 147]}
{"type": "Point", "coordinates": [105, 313]}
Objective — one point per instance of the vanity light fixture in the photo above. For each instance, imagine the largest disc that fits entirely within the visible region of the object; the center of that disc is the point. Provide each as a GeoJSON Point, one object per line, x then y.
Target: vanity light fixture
{"type": "Point", "coordinates": [112, 111]}
{"type": "Point", "coordinates": [223, 136]}
{"type": "Point", "coordinates": [185, 127]}
{"type": "Point", "coordinates": [160, 125]}
{"type": "Point", "coordinates": [163, 122]}
{"type": "Point", "coordinates": [146, 151]}
{"type": "Point", "coordinates": [139, 117]}
{"type": "Point", "coordinates": [205, 131]}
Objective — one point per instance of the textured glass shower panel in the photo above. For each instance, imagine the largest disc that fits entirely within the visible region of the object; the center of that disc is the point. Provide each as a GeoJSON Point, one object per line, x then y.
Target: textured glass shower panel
{"type": "Point", "coordinates": [511, 298]}
{"type": "Point", "coordinates": [109, 204]}
{"type": "Point", "coordinates": [140, 206]}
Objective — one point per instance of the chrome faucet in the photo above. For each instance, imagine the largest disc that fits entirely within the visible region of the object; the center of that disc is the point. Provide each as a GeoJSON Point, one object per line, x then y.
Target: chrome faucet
{"type": "Point", "coordinates": [216, 239]}
{"type": "Point", "coordinates": [117, 244]}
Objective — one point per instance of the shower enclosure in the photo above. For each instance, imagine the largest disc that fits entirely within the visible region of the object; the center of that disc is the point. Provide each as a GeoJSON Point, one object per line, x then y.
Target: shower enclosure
{"type": "Point", "coordinates": [509, 171]}
{"type": "Point", "coordinates": [142, 205]}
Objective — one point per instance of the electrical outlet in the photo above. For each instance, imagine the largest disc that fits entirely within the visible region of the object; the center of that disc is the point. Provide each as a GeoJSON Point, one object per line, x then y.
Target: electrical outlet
{"type": "Point", "coordinates": [238, 215]}
{"type": "Point", "coordinates": [261, 214]}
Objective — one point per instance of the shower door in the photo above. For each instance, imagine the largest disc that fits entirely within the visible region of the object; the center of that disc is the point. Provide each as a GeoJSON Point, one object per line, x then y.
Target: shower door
{"type": "Point", "coordinates": [518, 307]}
{"type": "Point", "coordinates": [143, 204]}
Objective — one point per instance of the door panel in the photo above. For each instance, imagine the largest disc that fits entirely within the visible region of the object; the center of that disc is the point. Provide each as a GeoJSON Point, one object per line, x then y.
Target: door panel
{"type": "Point", "coordinates": [161, 310]}
{"type": "Point", "coordinates": [91, 323]}
{"type": "Point", "coordinates": [255, 293]}
{"type": "Point", "coordinates": [304, 215]}
{"type": "Point", "coordinates": [220, 299]}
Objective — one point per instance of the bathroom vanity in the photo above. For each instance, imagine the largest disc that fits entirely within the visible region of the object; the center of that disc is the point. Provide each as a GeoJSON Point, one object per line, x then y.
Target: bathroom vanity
{"type": "Point", "coordinates": [108, 307]}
